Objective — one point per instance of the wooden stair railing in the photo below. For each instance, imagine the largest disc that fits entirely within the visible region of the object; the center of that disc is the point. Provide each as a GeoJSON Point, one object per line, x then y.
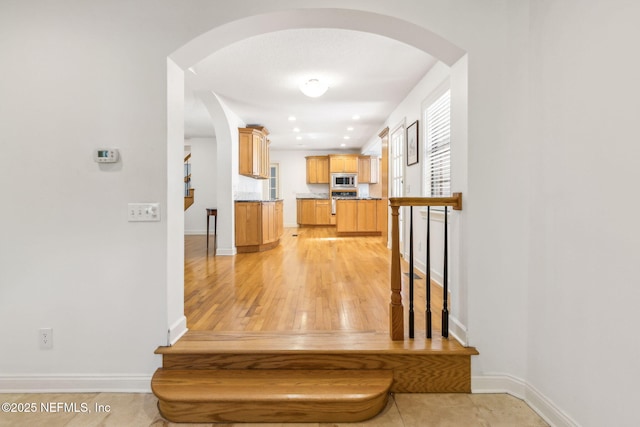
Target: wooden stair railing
{"type": "Point", "coordinates": [396, 309]}
{"type": "Point", "coordinates": [188, 191]}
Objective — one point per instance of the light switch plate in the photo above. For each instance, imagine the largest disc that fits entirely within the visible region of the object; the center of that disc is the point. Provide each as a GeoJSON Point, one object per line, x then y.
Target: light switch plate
{"type": "Point", "coordinates": [138, 212]}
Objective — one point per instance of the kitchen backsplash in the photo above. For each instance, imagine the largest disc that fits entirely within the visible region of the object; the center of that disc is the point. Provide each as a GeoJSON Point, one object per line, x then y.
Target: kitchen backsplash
{"type": "Point", "coordinates": [246, 195]}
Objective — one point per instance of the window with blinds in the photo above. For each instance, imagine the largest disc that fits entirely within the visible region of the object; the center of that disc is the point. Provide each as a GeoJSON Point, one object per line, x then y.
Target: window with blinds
{"type": "Point", "coordinates": [437, 117]}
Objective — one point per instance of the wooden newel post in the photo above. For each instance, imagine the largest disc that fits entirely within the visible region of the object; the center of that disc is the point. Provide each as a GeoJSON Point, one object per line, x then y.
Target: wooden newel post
{"type": "Point", "coordinates": [396, 310]}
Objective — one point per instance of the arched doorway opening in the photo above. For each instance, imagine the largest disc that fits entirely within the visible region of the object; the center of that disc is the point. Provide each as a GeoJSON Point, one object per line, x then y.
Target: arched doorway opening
{"type": "Point", "coordinates": [224, 35]}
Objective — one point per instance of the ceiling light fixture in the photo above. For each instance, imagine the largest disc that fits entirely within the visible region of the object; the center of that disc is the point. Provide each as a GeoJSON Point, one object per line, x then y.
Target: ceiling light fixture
{"type": "Point", "coordinates": [314, 88]}
{"type": "Point", "coordinates": [356, 117]}
{"type": "Point", "coordinates": [346, 137]}
{"type": "Point", "coordinates": [292, 118]}
{"type": "Point", "coordinates": [350, 128]}
{"type": "Point", "coordinates": [296, 129]}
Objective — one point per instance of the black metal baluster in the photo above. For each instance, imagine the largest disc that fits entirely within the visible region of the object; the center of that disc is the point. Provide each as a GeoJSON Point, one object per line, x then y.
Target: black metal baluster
{"type": "Point", "coordinates": [411, 314]}
{"type": "Point", "coordinates": [427, 314]}
{"type": "Point", "coordinates": [445, 279]}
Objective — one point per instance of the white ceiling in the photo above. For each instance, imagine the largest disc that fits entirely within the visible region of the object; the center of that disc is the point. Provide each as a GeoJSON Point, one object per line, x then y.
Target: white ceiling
{"type": "Point", "coordinates": [258, 78]}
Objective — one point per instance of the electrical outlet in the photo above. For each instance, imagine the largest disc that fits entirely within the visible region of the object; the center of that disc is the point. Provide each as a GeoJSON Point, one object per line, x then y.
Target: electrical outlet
{"type": "Point", "coordinates": [45, 338]}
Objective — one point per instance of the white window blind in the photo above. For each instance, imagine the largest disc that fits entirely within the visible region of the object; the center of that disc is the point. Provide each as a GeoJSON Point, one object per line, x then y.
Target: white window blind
{"type": "Point", "coordinates": [438, 147]}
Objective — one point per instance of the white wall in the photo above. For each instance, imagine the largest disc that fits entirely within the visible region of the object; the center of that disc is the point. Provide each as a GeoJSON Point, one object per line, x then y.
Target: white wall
{"type": "Point", "coordinates": [583, 292]}
{"type": "Point", "coordinates": [203, 179]}
{"type": "Point", "coordinates": [407, 112]}
{"type": "Point", "coordinates": [96, 75]}
{"type": "Point", "coordinates": [539, 262]}
{"type": "Point", "coordinates": [228, 182]}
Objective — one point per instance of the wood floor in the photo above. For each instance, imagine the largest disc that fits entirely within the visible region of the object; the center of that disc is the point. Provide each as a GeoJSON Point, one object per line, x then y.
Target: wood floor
{"type": "Point", "coordinates": [313, 281]}
{"type": "Point", "coordinates": [298, 333]}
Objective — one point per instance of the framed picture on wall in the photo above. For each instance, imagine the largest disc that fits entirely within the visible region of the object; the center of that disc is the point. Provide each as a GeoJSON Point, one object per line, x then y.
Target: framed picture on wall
{"type": "Point", "coordinates": [412, 144]}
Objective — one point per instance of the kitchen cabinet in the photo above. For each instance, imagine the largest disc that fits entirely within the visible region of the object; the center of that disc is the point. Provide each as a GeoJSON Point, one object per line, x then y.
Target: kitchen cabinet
{"type": "Point", "coordinates": [259, 225]}
{"type": "Point", "coordinates": [347, 216]}
{"type": "Point", "coordinates": [248, 223]}
{"type": "Point", "coordinates": [367, 215]}
{"type": "Point", "coordinates": [323, 212]}
{"type": "Point", "coordinates": [368, 169]}
{"type": "Point", "coordinates": [357, 217]}
{"type": "Point", "coordinates": [314, 212]}
{"type": "Point", "coordinates": [279, 219]}
{"type": "Point", "coordinates": [343, 163]}
{"type": "Point", "coordinates": [254, 152]}
{"type": "Point", "coordinates": [306, 211]}
{"type": "Point", "coordinates": [268, 222]}
{"type": "Point", "coordinates": [317, 170]}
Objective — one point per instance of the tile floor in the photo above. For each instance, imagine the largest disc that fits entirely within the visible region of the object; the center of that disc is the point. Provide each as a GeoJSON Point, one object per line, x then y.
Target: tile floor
{"type": "Point", "coordinates": [408, 410]}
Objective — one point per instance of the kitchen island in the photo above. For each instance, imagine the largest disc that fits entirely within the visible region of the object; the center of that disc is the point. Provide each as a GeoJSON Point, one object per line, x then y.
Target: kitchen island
{"type": "Point", "coordinates": [314, 209]}
{"type": "Point", "coordinates": [259, 224]}
{"type": "Point", "coordinates": [353, 216]}
{"type": "Point", "coordinates": [359, 216]}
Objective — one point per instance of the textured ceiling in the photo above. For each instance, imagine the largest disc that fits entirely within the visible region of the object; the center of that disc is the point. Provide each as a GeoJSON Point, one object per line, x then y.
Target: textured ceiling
{"type": "Point", "coordinates": [258, 78]}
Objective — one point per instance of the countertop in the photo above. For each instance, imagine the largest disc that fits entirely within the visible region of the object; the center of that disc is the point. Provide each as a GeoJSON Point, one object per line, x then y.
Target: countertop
{"type": "Point", "coordinates": [324, 196]}
{"type": "Point", "coordinates": [317, 196]}
{"type": "Point", "coordinates": [357, 198]}
{"type": "Point", "coordinates": [257, 200]}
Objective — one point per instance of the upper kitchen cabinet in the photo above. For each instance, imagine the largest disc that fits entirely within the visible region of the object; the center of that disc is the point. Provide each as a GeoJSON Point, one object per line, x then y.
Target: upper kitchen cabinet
{"type": "Point", "coordinates": [368, 169]}
{"type": "Point", "coordinates": [317, 169]}
{"type": "Point", "coordinates": [339, 163]}
{"type": "Point", "coordinates": [254, 152]}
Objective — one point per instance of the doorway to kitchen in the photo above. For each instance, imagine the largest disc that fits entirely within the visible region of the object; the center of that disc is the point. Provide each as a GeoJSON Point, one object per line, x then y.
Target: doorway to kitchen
{"type": "Point", "coordinates": [397, 173]}
{"type": "Point", "coordinates": [220, 37]}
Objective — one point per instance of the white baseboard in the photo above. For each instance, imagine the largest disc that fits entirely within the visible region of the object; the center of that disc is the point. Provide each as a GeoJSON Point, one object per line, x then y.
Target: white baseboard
{"type": "Point", "coordinates": [516, 387]}
{"type": "Point", "coordinates": [177, 330]}
{"type": "Point", "coordinates": [75, 383]}
{"type": "Point", "coordinates": [197, 232]}
{"type": "Point", "coordinates": [435, 276]}
{"type": "Point", "coordinates": [458, 330]}
{"type": "Point", "coordinates": [226, 251]}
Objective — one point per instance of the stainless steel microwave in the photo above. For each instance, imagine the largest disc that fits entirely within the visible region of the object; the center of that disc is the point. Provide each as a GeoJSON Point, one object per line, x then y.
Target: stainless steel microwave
{"type": "Point", "coordinates": [344, 180]}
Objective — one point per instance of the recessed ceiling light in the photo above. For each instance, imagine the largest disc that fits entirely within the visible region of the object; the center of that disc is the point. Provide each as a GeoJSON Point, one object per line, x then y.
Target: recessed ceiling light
{"type": "Point", "coordinates": [350, 128]}
{"type": "Point", "coordinates": [343, 145]}
{"type": "Point", "coordinates": [314, 88]}
{"type": "Point", "coordinates": [298, 138]}
{"type": "Point", "coordinates": [346, 137]}
{"type": "Point", "coordinates": [296, 129]}
{"type": "Point", "coordinates": [292, 118]}
{"type": "Point", "coordinates": [356, 117]}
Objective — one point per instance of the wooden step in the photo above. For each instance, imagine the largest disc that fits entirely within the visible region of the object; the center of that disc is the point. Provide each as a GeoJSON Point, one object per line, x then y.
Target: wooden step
{"type": "Point", "coordinates": [419, 366]}
{"type": "Point", "coordinates": [274, 395]}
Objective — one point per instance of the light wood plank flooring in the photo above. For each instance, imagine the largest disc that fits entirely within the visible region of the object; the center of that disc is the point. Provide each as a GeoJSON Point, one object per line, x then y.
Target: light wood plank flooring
{"type": "Point", "coordinates": [313, 281]}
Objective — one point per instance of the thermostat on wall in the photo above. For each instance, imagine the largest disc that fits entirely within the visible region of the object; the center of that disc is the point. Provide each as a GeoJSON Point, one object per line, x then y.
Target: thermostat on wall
{"type": "Point", "coordinates": [106, 155]}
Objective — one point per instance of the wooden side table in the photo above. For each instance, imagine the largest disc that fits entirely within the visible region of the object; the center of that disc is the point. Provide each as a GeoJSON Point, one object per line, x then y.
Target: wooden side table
{"type": "Point", "coordinates": [211, 212]}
